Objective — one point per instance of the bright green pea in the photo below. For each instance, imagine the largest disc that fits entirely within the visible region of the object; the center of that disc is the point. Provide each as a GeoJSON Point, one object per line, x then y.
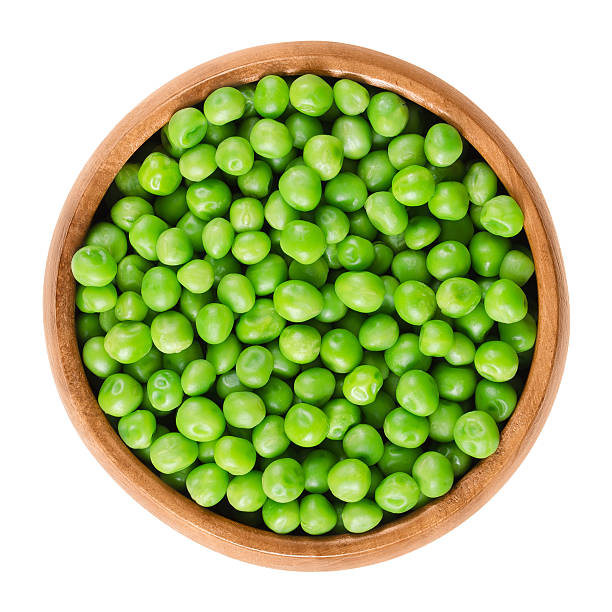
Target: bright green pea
{"type": "Point", "coordinates": [300, 187]}
{"type": "Point", "coordinates": [236, 292]}
{"type": "Point", "coordinates": [383, 256]}
{"type": "Point", "coordinates": [196, 276]}
{"type": "Point", "coordinates": [476, 324]}
{"type": "Point", "coordinates": [480, 182]}
{"type": "Point", "coordinates": [388, 113]}
{"type": "Point", "coordinates": [306, 425]}
{"type": "Point", "coordinates": [144, 235]}
{"type": "Point", "coordinates": [96, 299]}
{"type": "Point", "coordinates": [415, 302]}
{"type": "Point", "coordinates": [224, 105]}
{"type": "Point", "coordinates": [260, 324]}
{"type": "Point", "coordinates": [256, 182]}
{"type": "Point", "coordinates": [271, 96]}
{"type": "Point", "coordinates": [218, 237]}
{"type": "Point", "coordinates": [207, 484]}
{"type": "Point", "coordinates": [450, 201]}
{"type": "Point", "coordinates": [496, 360]}
{"type": "Point", "coordinates": [137, 428]}
{"type": "Point", "coordinates": [355, 253]}
{"type": "Point", "coordinates": [341, 351]}
{"type": "Point", "coordinates": [458, 297]}
{"type": "Point", "coordinates": [93, 266]}
{"type": "Point", "coordinates": [407, 150]}
{"type": "Point", "coordinates": [311, 95]}
{"type": "Point", "coordinates": [191, 303]}
{"type": "Point", "coordinates": [521, 335]}
{"type": "Point", "coordinates": [246, 493]}
{"type": "Point", "coordinates": [354, 134]}
{"type": "Point", "coordinates": [173, 452]}
{"type": "Point", "coordinates": [316, 468]}
{"type": "Point", "coordinates": [376, 171]}
{"type": "Point", "coordinates": [223, 356]}
{"type": "Point", "coordinates": [300, 343]}
{"type": "Point", "coordinates": [362, 384]}
{"type": "Point", "coordinates": [130, 272]}
{"type": "Point", "coordinates": [462, 350]}
{"type": "Point", "coordinates": [200, 419]}
{"type": "Point", "coordinates": [317, 515]}
{"type": "Point", "coordinates": [110, 237]}
{"type": "Point", "coordinates": [476, 434]}
{"type": "Point", "coordinates": [454, 383]}
{"type": "Point", "coordinates": [378, 332]}
{"type": "Point", "coordinates": [387, 215]}
{"type": "Point", "coordinates": [315, 273]}
{"type": "Point", "coordinates": [346, 191]}
{"type": "Point", "coordinates": [502, 216]}
{"type": "Point", "coordinates": [278, 213]}
{"type": "Point", "coordinates": [254, 366]}
{"type": "Point", "coordinates": [349, 480]}
{"type": "Point", "coordinates": [297, 301]}
{"type": "Point", "coordinates": [164, 390]}
{"type": "Point", "coordinates": [302, 128]}
{"type": "Point", "coordinates": [107, 319]}
{"type": "Point", "coordinates": [405, 355]}
{"type": "Point", "coordinates": [397, 459]}
{"type": "Point", "coordinates": [210, 197]}
{"type": "Point", "coordinates": [228, 383]}
{"type": "Point", "coordinates": [159, 174]}
{"type": "Point", "coordinates": [167, 146]}
{"type": "Point", "coordinates": [281, 518]}
{"type": "Point", "coordinates": [461, 230]}
{"type": "Point", "coordinates": [324, 154]}
{"type": "Point", "coordinates": [119, 395]}
{"type": "Point", "coordinates": [436, 338]}
{"type": "Point", "coordinates": [410, 266]}
{"type": "Point", "coordinates": [283, 480]}
{"type": "Point", "coordinates": [350, 97]}
{"type": "Point", "coordinates": [243, 409]}
{"type": "Point", "coordinates": [447, 259]}
{"type": "Point", "coordinates": [269, 438]}
{"type": "Point", "coordinates": [266, 275]}
{"type": "Point", "coordinates": [443, 145]}
{"type": "Point", "coordinates": [145, 367]}
{"type": "Point", "coordinates": [171, 332]}
{"type": "Point", "coordinates": [214, 323]}
{"type": "Point", "coordinates": [397, 493]}
{"type": "Point", "coordinates": [390, 284]}
{"type": "Point", "coordinates": [127, 181]}
{"type": "Point", "coordinates": [361, 516]}
{"type": "Point", "coordinates": [363, 442]}
{"type": "Point", "coordinates": [276, 393]}
{"type": "Point", "coordinates": [235, 156]}
{"type": "Point", "coordinates": [360, 291]}
{"type": "Point", "coordinates": [193, 227]}
{"type": "Point", "coordinates": [517, 266]}
{"type": "Point", "coordinates": [271, 139]}
{"type": "Point", "coordinates": [406, 429]}
{"type": "Point", "coordinates": [505, 302]}
{"type": "Point", "coordinates": [235, 455]}
{"type": "Point", "coordinates": [174, 247]}
{"type": "Point", "coordinates": [413, 186]}
{"type": "Point", "coordinates": [314, 385]}
{"type": "Point", "coordinates": [251, 247]}
{"type": "Point", "coordinates": [417, 392]}
{"type": "Point", "coordinates": [303, 241]}
{"type": "Point", "coordinates": [442, 421]}
{"type": "Point", "coordinates": [130, 307]}
{"type": "Point", "coordinates": [433, 473]}
{"type": "Point", "coordinates": [460, 462]}
{"type": "Point", "coordinates": [88, 326]}
{"type": "Point", "coordinates": [186, 128]}
{"type": "Point", "coordinates": [198, 377]}
{"type": "Point", "coordinates": [279, 164]}
{"type": "Point", "coordinates": [128, 341]}
{"type": "Point", "coordinates": [160, 289]}
{"type": "Point", "coordinates": [178, 361]}
{"type": "Point", "coordinates": [487, 252]}
{"type": "Point", "coordinates": [341, 415]}
{"type": "Point", "coordinates": [497, 399]}
{"type": "Point", "coordinates": [198, 163]}
{"type": "Point", "coordinates": [97, 360]}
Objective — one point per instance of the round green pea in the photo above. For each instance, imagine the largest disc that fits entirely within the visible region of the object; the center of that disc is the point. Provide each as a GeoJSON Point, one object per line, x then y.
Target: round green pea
{"type": "Point", "coordinates": [234, 455]}
{"type": "Point", "coordinates": [128, 341]}
{"type": "Point", "coordinates": [502, 216]}
{"type": "Point", "coordinates": [436, 338]}
{"type": "Point", "coordinates": [300, 187]}
{"type": "Point", "coordinates": [496, 361]}
{"type": "Point", "coordinates": [276, 393]}
{"type": "Point", "coordinates": [314, 385]}
{"type": "Point", "coordinates": [93, 266]}
{"type": "Point", "coordinates": [415, 302]}
{"type": "Point", "coordinates": [417, 392]}
{"type": "Point", "coordinates": [497, 399]}
{"type": "Point", "coordinates": [433, 473]}
{"type": "Point", "coordinates": [164, 390]}
{"type": "Point", "coordinates": [405, 429]}
{"type": "Point", "coordinates": [376, 171]}
{"type": "Point", "coordinates": [159, 174]}
{"type": "Point", "coordinates": [97, 360]}
{"type": "Point", "coordinates": [236, 292]}
{"type": "Point", "coordinates": [224, 105]}
{"type": "Point", "coordinates": [306, 425]}
{"type": "Point", "coordinates": [171, 332]}
{"type": "Point", "coordinates": [505, 302]}
{"type": "Point", "coordinates": [254, 366]}
{"type": "Point", "coordinates": [283, 480]}
{"type": "Point", "coordinates": [413, 185]}
{"type": "Point", "coordinates": [281, 518]}
{"type": "Point", "coordinates": [297, 301]}
{"type": "Point", "coordinates": [388, 113]}
{"type": "Point", "coordinates": [521, 335]}
{"type": "Point", "coordinates": [462, 350]}
{"type": "Point", "coordinates": [260, 324]}
{"type": "Point", "coordinates": [198, 377]}
{"type": "Point", "coordinates": [361, 516]}
{"type": "Point", "coordinates": [378, 332]}
{"type": "Point", "coordinates": [160, 289]}
{"type": "Point", "coordinates": [324, 154]}
{"type": "Point", "coordinates": [443, 145]}
{"type": "Point", "coordinates": [458, 297]}
{"type": "Point", "coordinates": [207, 484]}
{"type": "Point", "coordinates": [454, 383]}
{"type": "Point", "coordinates": [223, 356]}
{"type": "Point", "coordinates": [354, 134]}
{"type": "Point", "coordinates": [317, 515]}
{"type": "Point", "coordinates": [346, 191]}
{"type": "Point", "coordinates": [96, 299]}
{"type": "Point", "coordinates": [362, 384]}
{"type": "Point", "coordinates": [349, 480]}
{"type": "Point", "coordinates": [311, 95]}
{"type": "Point", "coordinates": [442, 421]}
{"type": "Point", "coordinates": [361, 291]}
{"type": "Point", "coordinates": [173, 452]}
{"type": "Point", "coordinates": [341, 415]}
{"type": "Point", "coordinates": [214, 323]}
{"type": "Point", "coordinates": [210, 197]}
{"type": "Point", "coordinates": [476, 434]}
{"type": "Point", "coordinates": [407, 150]}
{"type": "Point", "coordinates": [397, 459]}
{"type": "Point", "coordinates": [303, 241]}
{"type": "Point", "coordinates": [405, 355]}
{"type": "Point", "coordinates": [363, 442]}
{"type": "Point", "coordinates": [397, 493]}
{"type": "Point", "coordinates": [246, 493]}
{"type": "Point", "coordinates": [271, 139]}
{"type": "Point", "coordinates": [269, 438]}
{"type": "Point", "coordinates": [200, 419]}
{"type": "Point", "coordinates": [137, 428]}
{"type": "Point", "coordinates": [350, 97]}
{"type": "Point", "coordinates": [480, 182]}
{"type": "Point", "coordinates": [447, 259]}
{"type": "Point", "coordinates": [487, 253]}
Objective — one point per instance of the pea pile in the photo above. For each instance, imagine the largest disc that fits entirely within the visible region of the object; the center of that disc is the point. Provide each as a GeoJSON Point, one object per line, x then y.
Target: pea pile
{"type": "Point", "coordinates": [307, 305]}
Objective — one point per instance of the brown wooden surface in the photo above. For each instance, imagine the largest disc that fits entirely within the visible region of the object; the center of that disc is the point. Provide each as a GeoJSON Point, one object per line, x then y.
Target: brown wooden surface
{"type": "Point", "coordinates": [206, 527]}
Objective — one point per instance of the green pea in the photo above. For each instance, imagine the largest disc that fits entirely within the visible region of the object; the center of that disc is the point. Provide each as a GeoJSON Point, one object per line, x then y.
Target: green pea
{"type": "Point", "coordinates": [218, 237]}
{"type": "Point", "coordinates": [443, 145]}
{"type": "Point", "coordinates": [236, 292]}
{"type": "Point", "coordinates": [243, 409]}
{"type": "Point", "coordinates": [361, 516]}
{"type": "Point", "coordinates": [207, 484]}
{"type": "Point", "coordinates": [87, 326]}
{"type": "Point", "coordinates": [119, 395]}
{"type": "Point", "coordinates": [271, 139]}
{"type": "Point", "coordinates": [173, 452]}
{"type": "Point", "coordinates": [496, 361]}
{"type": "Point", "coordinates": [110, 237]}
{"type": "Point", "coordinates": [314, 385]}
{"type": "Point", "coordinates": [454, 383]}
{"type": "Point", "coordinates": [436, 338]}
{"type": "Point", "coordinates": [223, 356]}
{"type": "Point", "coordinates": [362, 384]}
{"type": "Point", "coordinates": [447, 259]}
{"type": "Point", "coordinates": [487, 252]}
{"type": "Point", "coordinates": [256, 182]}
{"type": "Point", "coordinates": [311, 95]}
{"type": "Point", "coordinates": [521, 335]}
{"type": "Point", "coordinates": [210, 197]}
{"type": "Point", "coordinates": [127, 342]}
{"type": "Point", "coordinates": [260, 324]}
{"type": "Point", "coordinates": [235, 155]}
{"type": "Point", "coordinates": [235, 455]}
{"type": "Point", "coordinates": [306, 425]}
{"type": "Point", "coordinates": [413, 186]}
{"type": "Point", "coordinates": [197, 276]}
{"type": "Point", "coordinates": [178, 361]}
{"type": "Point", "coordinates": [214, 323]}
{"type": "Point", "coordinates": [283, 480]}
{"type": "Point", "coordinates": [174, 247]}
{"type": "Point", "coordinates": [191, 303]}
{"type": "Point", "coordinates": [354, 134]}
{"type": "Point", "coordinates": [246, 214]}
{"type": "Point", "coordinates": [137, 428]}
{"type": "Point", "coordinates": [171, 332]}
{"type": "Point", "coordinates": [278, 213]}
{"type": "Point", "coordinates": [461, 230]}
{"type": "Point", "coordinates": [341, 351]}
{"type": "Point", "coordinates": [383, 256]}
{"type": "Point", "coordinates": [297, 301]}
{"type": "Point", "coordinates": [198, 163]}
{"type": "Point", "coordinates": [433, 473]}
{"type": "Point", "coordinates": [386, 214]}
{"type": "Point", "coordinates": [145, 367]}
{"type": "Point", "coordinates": [407, 150]}
{"type": "Point", "coordinates": [442, 421]}
{"type": "Point", "coordinates": [198, 377]}
{"type": "Point", "coordinates": [363, 442]}
{"type": "Point", "coordinates": [107, 319]}
{"type": "Point", "coordinates": [193, 227]}
{"type": "Point", "coordinates": [317, 515]}
{"type": "Point", "coordinates": [97, 360]}
{"type": "Point", "coordinates": [405, 429]}
{"type": "Point", "coordinates": [276, 393]}
{"type": "Point", "coordinates": [350, 97]}
{"type": "Point", "coordinates": [96, 299]}
{"type": "Point", "coordinates": [379, 332]}
{"type": "Point", "coordinates": [476, 324]}
{"type": "Point", "coordinates": [251, 247]}
{"type": "Point", "coordinates": [302, 128]}
{"type": "Point", "coordinates": [505, 302]}
{"type": "Point", "coordinates": [476, 434]}
{"type": "Point", "coordinates": [397, 493]}
{"type": "Point", "coordinates": [502, 216]}
{"type": "Point", "coordinates": [406, 355]}
{"type": "Point", "coordinates": [355, 253]}
{"type": "Point", "coordinates": [269, 438]}
{"type": "Point", "coordinates": [172, 207]}
{"type": "Point", "coordinates": [303, 241]}
{"type": "Point", "coordinates": [200, 419]}
{"type": "Point", "coordinates": [410, 266]}
{"type": "Point", "coordinates": [316, 466]}
{"type": "Point", "coordinates": [127, 183]}
{"type": "Point", "coordinates": [376, 171]}
{"type": "Point", "coordinates": [324, 154]}
{"type": "Point", "coordinates": [480, 182]}
{"type": "Point", "coordinates": [458, 297]}
{"type": "Point", "coordinates": [93, 266]}
{"type": "Point", "coordinates": [415, 302]}
{"type": "Point", "coordinates": [186, 128]}
{"type": "Point", "coordinates": [224, 105]}
{"type": "Point", "coordinates": [164, 390]}
{"type": "Point", "coordinates": [349, 480]}
{"type": "Point", "coordinates": [517, 266]}
{"type": "Point", "coordinates": [498, 399]}
{"type": "Point", "coordinates": [397, 459]}
{"type": "Point", "coordinates": [417, 392]}
{"type": "Point", "coordinates": [314, 274]}
{"type": "Point", "coordinates": [271, 96]}
{"type": "Point", "coordinates": [361, 291]}
{"type": "Point", "coordinates": [281, 518]}
{"type": "Point", "coordinates": [130, 307]}
{"type": "Point", "coordinates": [160, 289]}
{"type": "Point", "coordinates": [300, 187]}
{"type": "Point", "coordinates": [450, 201]}
{"type": "Point", "coordinates": [341, 415]}
{"type": "Point", "coordinates": [246, 492]}
{"type": "Point", "coordinates": [346, 191]}
{"type": "Point", "coordinates": [460, 462]}
{"type": "Point", "coordinates": [228, 383]}
{"type": "Point", "coordinates": [462, 350]}
{"type": "Point", "coordinates": [254, 366]}
{"type": "Point", "coordinates": [388, 113]}
{"type": "Point", "coordinates": [159, 174]}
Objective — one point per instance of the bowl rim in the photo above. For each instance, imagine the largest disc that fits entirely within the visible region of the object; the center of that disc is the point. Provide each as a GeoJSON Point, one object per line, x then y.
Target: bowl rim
{"type": "Point", "coordinates": [224, 535]}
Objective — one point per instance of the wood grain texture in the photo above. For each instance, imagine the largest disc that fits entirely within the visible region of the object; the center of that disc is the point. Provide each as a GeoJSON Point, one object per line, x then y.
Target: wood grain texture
{"type": "Point", "coordinates": [222, 534]}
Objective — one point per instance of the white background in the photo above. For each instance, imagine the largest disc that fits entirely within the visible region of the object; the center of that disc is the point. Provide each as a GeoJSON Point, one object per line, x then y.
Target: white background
{"type": "Point", "coordinates": [72, 539]}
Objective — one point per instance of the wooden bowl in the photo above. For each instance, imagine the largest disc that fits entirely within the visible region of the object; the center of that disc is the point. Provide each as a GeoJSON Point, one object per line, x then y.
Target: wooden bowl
{"type": "Point", "coordinates": [204, 526]}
